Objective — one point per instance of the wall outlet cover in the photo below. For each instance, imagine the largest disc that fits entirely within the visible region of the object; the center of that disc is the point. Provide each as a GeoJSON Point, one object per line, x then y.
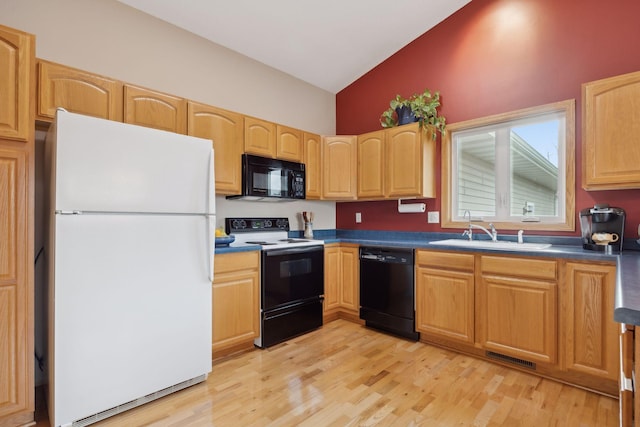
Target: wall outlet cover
{"type": "Point", "coordinates": [433, 217]}
{"type": "Point", "coordinates": [358, 217]}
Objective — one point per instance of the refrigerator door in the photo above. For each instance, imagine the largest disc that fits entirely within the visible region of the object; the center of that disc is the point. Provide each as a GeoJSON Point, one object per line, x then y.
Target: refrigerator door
{"type": "Point", "coordinates": [131, 308]}
{"type": "Point", "coordinates": [106, 166]}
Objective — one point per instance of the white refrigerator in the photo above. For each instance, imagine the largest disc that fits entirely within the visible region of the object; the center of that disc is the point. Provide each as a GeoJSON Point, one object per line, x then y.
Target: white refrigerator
{"type": "Point", "coordinates": [131, 243]}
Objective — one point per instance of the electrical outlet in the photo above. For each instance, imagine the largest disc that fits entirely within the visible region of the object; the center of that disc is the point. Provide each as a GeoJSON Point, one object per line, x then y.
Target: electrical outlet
{"type": "Point", "coordinates": [358, 217]}
{"type": "Point", "coordinates": [433, 217]}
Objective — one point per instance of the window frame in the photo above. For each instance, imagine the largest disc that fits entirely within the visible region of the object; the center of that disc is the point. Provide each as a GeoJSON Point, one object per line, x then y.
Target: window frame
{"type": "Point", "coordinates": [566, 107]}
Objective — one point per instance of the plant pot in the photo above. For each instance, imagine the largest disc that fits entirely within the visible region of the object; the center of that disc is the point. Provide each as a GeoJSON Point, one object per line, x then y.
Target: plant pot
{"type": "Point", "coordinates": [405, 115]}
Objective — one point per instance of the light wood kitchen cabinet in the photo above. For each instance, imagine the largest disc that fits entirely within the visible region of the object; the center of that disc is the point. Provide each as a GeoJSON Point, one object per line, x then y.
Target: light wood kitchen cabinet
{"type": "Point", "coordinates": [517, 310]}
{"type": "Point", "coordinates": [332, 278]}
{"type": "Point", "coordinates": [611, 129]}
{"type": "Point", "coordinates": [350, 295]}
{"type": "Point", "coordinates": [289, 144]}
{"type": "Point", "coordinates": [549, 316]}
{"type": "Point", "coordinates": [17, 58]}
{"type": "Point", "coordinates": [626, 380]}
{"type": "Point", "coordinates": [396, 162]}
{"type": "Point", "coordinates": [339, 167]}
{"type": "Point", "coordinates": [153, 109]}
{"type": "Point", "coordinates": [225, 129]}
{"type": "Point", "coordinates": [410, 162]}
{"type": "Point", "coordinates": [636, 367]}
{"type": "Point", "coordinates": [78, 92]}
{"type": "Point", "coordinates": [259, 137]}
{"type": "Point", "coordinates": [17, 129]}
{"type": "Point", "coordinates": [341, 282]}
{"type": "Point", "coordinates": [16, 290]}
{"type": "Point", "coordinates": [371, 165]}
{"type": "Point", "coordinates": [591, 334]}
{"type": "Point", "coordinates": [313, 165]}
{"type": "Point", "coordinates": [236, 301]}
{"type": "Point", "coordinates": [445, 295]}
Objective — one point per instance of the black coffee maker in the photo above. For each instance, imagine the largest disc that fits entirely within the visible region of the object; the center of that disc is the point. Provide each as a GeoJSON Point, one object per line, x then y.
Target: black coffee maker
{"type": "Point", "coordinates": [602, 228]}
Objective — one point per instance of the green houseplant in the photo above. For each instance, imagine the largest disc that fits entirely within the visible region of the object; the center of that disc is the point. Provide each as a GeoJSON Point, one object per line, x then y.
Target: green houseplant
{"type": "Point", "coordinates": [422, 106]}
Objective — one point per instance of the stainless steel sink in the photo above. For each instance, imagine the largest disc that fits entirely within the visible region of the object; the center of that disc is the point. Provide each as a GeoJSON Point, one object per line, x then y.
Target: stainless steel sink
{"type": "Point", "coordinates": [500, 245]}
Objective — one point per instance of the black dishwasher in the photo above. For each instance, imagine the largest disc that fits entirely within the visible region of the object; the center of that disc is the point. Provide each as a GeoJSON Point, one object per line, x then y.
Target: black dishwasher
{"type": "Point", "coordinates": [387, 290]}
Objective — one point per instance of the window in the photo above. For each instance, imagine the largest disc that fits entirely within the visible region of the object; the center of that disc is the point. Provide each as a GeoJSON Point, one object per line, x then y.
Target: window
{"type": "Point", "coordinates": [515, 170]}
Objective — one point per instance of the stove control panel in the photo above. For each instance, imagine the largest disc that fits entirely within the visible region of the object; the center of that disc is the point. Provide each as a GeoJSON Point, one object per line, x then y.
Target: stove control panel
{"type": "Point", "coordinates": [246, 225]}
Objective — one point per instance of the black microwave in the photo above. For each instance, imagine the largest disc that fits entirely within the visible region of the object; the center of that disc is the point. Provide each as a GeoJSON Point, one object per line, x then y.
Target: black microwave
{"type": "Point", "coordinates": [271, 179]}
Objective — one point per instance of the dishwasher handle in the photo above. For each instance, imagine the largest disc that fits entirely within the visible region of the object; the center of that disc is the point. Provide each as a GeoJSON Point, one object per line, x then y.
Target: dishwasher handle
{"type": "Point", "coordinates": [387, 255]}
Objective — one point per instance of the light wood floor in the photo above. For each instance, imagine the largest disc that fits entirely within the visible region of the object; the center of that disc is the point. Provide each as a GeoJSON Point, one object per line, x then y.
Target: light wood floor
{"type": "Point", "coordinates": [347, 375]}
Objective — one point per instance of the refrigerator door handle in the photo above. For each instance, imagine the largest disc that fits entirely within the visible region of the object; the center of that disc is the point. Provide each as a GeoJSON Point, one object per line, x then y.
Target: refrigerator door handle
{"type": "Point", "coordinates": [61, 212]}
{"type": "Point", "coordinates": [211, 191]}
{"type": "Point", "coordinates": [211, 226]}
{"type": "Point", "coordinates": [211, 211]}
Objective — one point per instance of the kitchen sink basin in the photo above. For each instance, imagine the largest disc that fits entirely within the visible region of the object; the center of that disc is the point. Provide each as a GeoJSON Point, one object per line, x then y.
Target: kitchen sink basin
{"type": "Point", "coordinates": [500, 245]}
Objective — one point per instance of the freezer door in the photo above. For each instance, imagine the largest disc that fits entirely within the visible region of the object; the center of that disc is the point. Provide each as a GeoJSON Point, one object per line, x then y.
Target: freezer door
{"type": "Point", "coordinates": [105, 166]}
{"type": "Point", "coordinates": [131, 309]}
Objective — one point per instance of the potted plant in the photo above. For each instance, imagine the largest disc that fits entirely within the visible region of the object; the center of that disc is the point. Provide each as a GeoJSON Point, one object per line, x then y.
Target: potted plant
{"type": "Point", "coordinates": [421, 108]}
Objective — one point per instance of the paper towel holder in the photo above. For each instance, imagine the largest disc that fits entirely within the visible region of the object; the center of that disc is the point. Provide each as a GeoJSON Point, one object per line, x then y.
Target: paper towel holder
{"type": "Point", "coordinates": [411, 207]}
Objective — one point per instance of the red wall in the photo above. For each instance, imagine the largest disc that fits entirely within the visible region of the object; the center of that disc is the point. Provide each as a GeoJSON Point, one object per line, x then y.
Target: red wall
{"type": "Point", "coordinates": [495, 56]}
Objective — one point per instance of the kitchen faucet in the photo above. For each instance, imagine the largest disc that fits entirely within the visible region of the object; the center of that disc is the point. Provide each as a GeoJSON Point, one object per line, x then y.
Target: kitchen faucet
{"type": "Point", "coordinates": [469, 232]}
{"type": "Point", "coordinates": [493, 233]}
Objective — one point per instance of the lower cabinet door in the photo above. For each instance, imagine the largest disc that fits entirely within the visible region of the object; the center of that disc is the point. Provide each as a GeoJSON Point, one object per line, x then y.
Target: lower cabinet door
{"type": "Point", "coordinates": [591, 333]}
{"type": "Point", "coordinates": [236, 300]}
{"type": "Point", "coordinates": [626, 375]}
{"type": "Point", "coordinates": [518, 318]}
{"type": "Point", "coordinates": [16, 290]}
{"type": "Point", "coordinates": [350, 268]}
{"type": "Point", "coordinates": [445, 304]}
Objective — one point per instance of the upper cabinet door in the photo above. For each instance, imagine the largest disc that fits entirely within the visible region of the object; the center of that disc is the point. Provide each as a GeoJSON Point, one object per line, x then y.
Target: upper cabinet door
{"type": "Point", "coordinates": [313, 165]}
{"type": "Point", "coordinates": [410, 164]}
{"type": "Point", "coordinates": [371, 165]}
{"type": "Point", "coordinates": [288, 144]}
{"type": "Point", "coordinates": [17, 56]}
{"type": "Point", "coordinates": [152, 109]}
{"type": "Point", "coordinates": [340, 167]}
{"type": "Point", "coordinates": [259, 137]}
{"type": "Point", "coordinates": [225, 129]}
{"type": "Point", "coordinates": [611, 130]}
{"type": "Point", "coordinates": [78, 92]}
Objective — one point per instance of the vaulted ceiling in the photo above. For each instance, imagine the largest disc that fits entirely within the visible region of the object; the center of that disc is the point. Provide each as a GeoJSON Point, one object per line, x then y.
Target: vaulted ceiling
{"type": "Point", "coordinates": [328, 43]}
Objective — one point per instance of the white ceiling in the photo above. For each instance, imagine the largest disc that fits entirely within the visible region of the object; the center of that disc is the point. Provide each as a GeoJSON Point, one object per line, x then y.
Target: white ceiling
{"type": "Point", "coordinates": [327, 43]}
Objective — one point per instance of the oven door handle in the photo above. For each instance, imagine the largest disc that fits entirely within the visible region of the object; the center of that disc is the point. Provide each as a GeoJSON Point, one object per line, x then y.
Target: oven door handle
{"type": "Point", "coordinates": [288, 251]}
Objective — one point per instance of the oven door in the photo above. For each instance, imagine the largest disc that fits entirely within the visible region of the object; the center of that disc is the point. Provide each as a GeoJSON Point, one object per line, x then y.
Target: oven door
{"type": "Point", "coordinates": [292, 275]}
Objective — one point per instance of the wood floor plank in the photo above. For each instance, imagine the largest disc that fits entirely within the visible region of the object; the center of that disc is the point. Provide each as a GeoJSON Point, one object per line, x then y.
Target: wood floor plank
{"type": "Point", "coordinates": [345, 374]}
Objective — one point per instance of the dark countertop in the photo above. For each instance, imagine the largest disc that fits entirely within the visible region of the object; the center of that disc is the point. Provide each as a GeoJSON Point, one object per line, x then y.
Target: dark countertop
{"type": "Point", "coordinates": [627, 293]}
{"type": "Point", "coordinates": [627, 298]}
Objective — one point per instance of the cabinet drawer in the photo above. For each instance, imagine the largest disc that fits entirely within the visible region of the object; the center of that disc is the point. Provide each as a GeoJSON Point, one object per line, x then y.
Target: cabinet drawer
{"type": "Point", "coordinates": [520, 267]}
{"type": "Point", "coordinates": [224, 263]}
{"type": "Point", "coordinates": [445, 260]}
